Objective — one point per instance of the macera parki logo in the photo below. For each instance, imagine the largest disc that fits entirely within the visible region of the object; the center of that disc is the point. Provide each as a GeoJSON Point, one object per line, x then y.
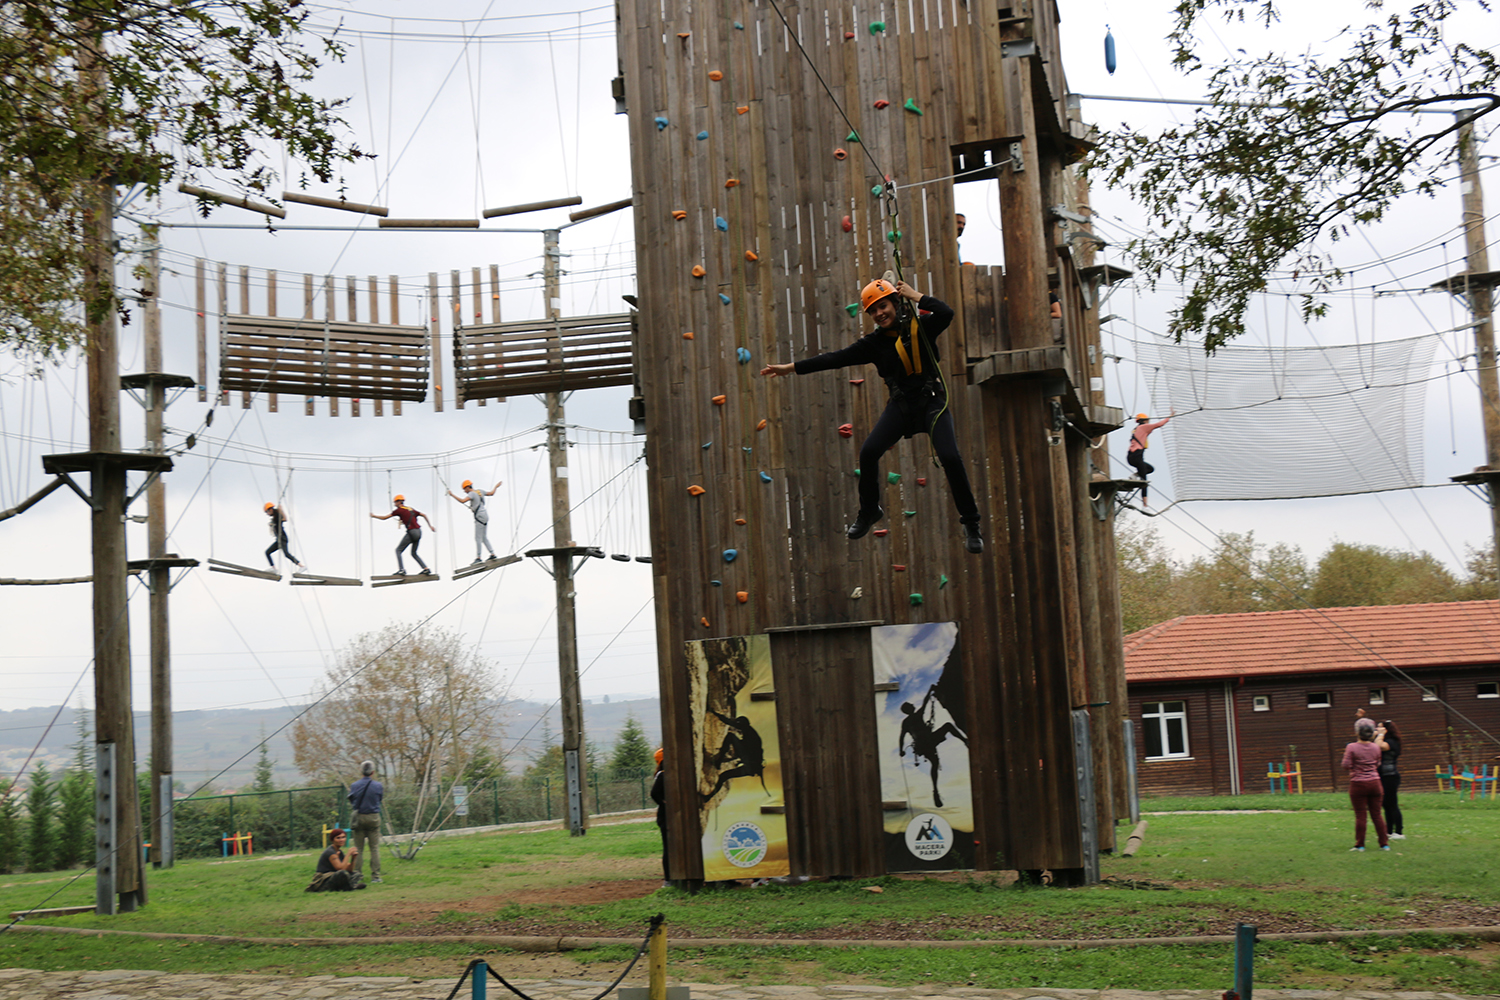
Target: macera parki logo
{"type": "Point", "coordinates": [929, 837]}
{"type": "Point", "coordinates": [744, 845]}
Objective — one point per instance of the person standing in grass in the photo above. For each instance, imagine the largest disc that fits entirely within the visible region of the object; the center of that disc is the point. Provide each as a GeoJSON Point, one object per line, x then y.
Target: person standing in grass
{"type": "Point", "coordinates": [1362, 761]}
{"type": "Point", "coordinates": [1388, 738]}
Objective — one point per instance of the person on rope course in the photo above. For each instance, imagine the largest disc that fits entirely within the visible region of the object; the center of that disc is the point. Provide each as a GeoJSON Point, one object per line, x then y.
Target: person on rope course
{"type": "Point", "coordinates": [412, 535]}
{"type": "Point", "coordinates": [902, 350]}
{"type": "Point", "coordinates": [474, 498]}
{"type": "Point", "coordinates": [1136, 456]}
{"type": "Point", "coordinates": [278, 517]}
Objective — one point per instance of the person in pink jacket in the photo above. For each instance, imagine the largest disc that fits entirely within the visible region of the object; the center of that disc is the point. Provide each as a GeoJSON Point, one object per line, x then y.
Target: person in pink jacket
{"type": "Point", "coordinates": [1362, 761]}
{"type": "Point", "coordinates": [1136, 456]}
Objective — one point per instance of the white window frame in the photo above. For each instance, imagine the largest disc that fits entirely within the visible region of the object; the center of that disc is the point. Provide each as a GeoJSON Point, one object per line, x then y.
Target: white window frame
{"type": "Point", "coordinates": [1158, 714]}
{"type": "Point", "coordinates": [1377, 696]}
{"type": "Point", "coordinates": [1430, 692]}
{"type": "Point", "coordinates": [1480, 692]}
{"type": "Point", "coordinates": [1260, 703]}
{"type": "Point", "coordinates": [1326, 695]}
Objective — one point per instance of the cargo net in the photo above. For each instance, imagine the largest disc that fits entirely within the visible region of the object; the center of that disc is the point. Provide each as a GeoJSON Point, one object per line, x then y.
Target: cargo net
{"type": "Point", "coordinates": [1265, 423]}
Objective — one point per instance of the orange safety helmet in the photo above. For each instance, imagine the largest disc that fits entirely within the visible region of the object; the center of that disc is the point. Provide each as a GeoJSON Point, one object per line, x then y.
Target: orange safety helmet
{"type": "Point", "coordinates": [467, 484]}
{"type": "Point", "coordinates": [398, 498]}
{"type": "Point", "coordinates": [268, 506]}
{"type": "Point", "coordinates": [874, 292]}
{"type": "Point", "coordinates": [1142, 416]}
{"type": "Point", "coordinates": [660, 753]}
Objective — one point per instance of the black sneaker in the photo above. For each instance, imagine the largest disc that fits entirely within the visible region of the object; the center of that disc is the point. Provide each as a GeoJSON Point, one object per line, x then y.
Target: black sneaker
{"type": "Point", "coordinates": [399, 572]}
{"type": "Point", "coordinates": [863, 523]}
{"type": "Point", "coordinates": [426, 570]}
{"type": "Point", "coordinates": [972, 539]}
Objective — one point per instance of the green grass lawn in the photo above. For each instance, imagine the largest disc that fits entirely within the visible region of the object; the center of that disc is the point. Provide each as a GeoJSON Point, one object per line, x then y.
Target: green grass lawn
{"type": "Point", "coordinates": [1198, 873]}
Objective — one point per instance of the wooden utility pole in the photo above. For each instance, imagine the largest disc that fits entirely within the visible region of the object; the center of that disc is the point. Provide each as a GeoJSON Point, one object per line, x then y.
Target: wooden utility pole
{"type": "Point", "coordinates": [1474, 285]}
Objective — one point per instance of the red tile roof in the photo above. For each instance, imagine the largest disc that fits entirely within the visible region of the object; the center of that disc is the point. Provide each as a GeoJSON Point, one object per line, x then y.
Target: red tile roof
{"type": "Point", "coordinates": [1267, 643]}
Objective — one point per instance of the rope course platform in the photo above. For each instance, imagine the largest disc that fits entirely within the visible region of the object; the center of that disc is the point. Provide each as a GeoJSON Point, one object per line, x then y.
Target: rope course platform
{"type": "Point", "coordinates": [319, 580]}
{"type": "Point", "coordinates": [392, 580]}
{"type": "Point", "coordinates": [1104, 492]}
{"type": "Point", "coordinates": [494, 562]}
{"type": "Point", "coordinates": [233, 569]}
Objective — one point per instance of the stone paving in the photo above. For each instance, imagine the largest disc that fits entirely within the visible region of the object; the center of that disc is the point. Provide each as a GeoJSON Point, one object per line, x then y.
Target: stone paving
{"type": "Point", "coordinates": [125, 984]}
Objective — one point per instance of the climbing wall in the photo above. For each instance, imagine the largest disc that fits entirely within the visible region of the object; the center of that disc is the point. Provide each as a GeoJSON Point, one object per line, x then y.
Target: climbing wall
{"type": "Point", "coordinates": [782, 156]}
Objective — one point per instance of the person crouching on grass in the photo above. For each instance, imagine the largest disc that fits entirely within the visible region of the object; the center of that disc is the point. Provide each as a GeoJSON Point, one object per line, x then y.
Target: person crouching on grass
{"type": "Point", "coordinates": [335, 872]}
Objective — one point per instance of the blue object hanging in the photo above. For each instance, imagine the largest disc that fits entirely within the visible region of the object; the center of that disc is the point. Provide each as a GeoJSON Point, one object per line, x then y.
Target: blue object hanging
{"type": "Point", "coordinates": [1109, 50]}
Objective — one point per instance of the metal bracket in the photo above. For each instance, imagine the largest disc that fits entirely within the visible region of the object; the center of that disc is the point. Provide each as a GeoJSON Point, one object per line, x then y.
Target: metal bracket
{"type": "Point", "coordinates": [1063, 212]}
{"type": "Point", "coordinates": [1018, 49]}
{"type": "Point", "coordinates": [1017, 163]}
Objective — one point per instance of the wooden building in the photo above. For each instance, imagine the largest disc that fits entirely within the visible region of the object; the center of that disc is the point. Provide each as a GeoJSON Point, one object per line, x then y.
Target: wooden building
{"type": "Point", "coordinates": [783, 155]}
{"type": "Point", "coordinates": [1218, 698]}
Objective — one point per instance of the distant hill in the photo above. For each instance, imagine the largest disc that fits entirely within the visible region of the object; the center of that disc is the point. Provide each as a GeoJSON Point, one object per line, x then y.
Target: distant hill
{"type": "Point", "coordinates": [221, 746]}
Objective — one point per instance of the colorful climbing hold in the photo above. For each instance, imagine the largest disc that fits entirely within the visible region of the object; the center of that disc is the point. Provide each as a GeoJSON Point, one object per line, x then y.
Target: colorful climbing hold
{"type": "Point", "coordinates": [684, 35]}
{"type": "Point", "coordinates": [876, 27]}
{"type": "Point", "coordinates": [909, 513]}
{"type": "Point", "coordinates": [856, 381]}
{"type": "Point", "coordinates": [852, 137]}
{"type": "Point", "coordinates": [742, 109]}
{"type": "Point", "coordinates": [706, 445]}
{"type": "Point", "coordinates": [852, 309]}
{"type": "Point", "coordinates": [857, 593]}
{"type": "Point", "coordinates": [848, 35]}
{"type": "Point", "coordinates": [703, 135]}
{"type": "Point", "coordinates": [921, 480]}
{"type": "Point", "coordinates": [742, 596]}
{"type": "Point", "coordinates": [698, 271]}
{"type": "Point", "coordinates": [877, 189]}
{"type": "Point", "coordinates": [721, 224]}
{"type": "Point", "coordinates": [740, 520]}
{"type": "Point", "coordinates": [705, 622]}
{"type": "Point", "coordinates": [716, 583]}
{"type": "Point", "coordinates": [724, 298]}
{"type": "Point", "coordinates": [715, 75]}
{"type": "Point", "coordinates": [738, 26]}
{"type": "Point", "coordinates": [840, 154]}
{"type": "Point", "coordinates": [846, 430]}
{"type": "Point", "coordinates": [679, 214]}
{"type": "Point", "coordinates": [661, 123]}
{"type": "Point", "coordinates": [893, 477]}
{"type": "Point", "coordinates": [747, 450]}
{"type": "Point", "coordinates": [1109, 50]}
{"type": "Point", "coordinates": [899, 567]}
{"type": "Point", "coordinates": [696, 490]}
{"type": "Point", "coordinates": [893, 235]}
{"type": "Point", "coordinates": [911, 105]}
{"type": "Point", "coordinates": [882, 104]}
{"type": "Point", "coordinates": [732, 182]}
{"type": "Point", "coordinates": [848, 224]}
{"type": "Point", "coordinates": [720, 400]}
{"type": "Point", "coordinates": [916, 599]}
{"type": "Point", "coordinates": [881, 532]}
{"type": "Point", "coordinates": [760, 426]}
{"type": "Point", "coordinates": [730, 555]}
{"type": "Point", "coordinates": [742, 354]}
{"type": "Point", "coordinates": [687, 335]}
{"type": "Point", "coordinates": [752, 256]}
{"type": "Point", "coordinates": [764, 477]}
{"type": "Point", "coordinates": [942, 580]}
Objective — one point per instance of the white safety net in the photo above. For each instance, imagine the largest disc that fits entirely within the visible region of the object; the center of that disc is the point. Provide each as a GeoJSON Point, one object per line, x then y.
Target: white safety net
{"type": "Point", "coordinates": [1265, 423]}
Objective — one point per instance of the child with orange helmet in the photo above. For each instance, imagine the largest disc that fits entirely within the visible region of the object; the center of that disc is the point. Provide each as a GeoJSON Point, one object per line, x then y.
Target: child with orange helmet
{"type": "Point", "coordinates": [474, 498]}
{"type": "Point", "coordinates": [278, 517]}
{"type": "Point", "coordinates": [410, 536]}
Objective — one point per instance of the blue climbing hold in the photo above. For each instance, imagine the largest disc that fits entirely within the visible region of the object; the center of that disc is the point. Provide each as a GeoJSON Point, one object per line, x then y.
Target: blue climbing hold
{"type": "Point", "coordinates": [706, 445]}
{"type": "Point", "coordinates": [724, 298]}
{"type": "Point", "coordinates": [717, 583]}
{"type": "Point", "coordinates": [1109, 50]}
{"type": "Point", "coordinates": [721, 224]}
{"type": "Point", "coordinates": [743, 354]}
{"type": "Point", "coordinates": [874, 190]}
{"type": "Point", "coordinates": [730, 554]}
{"type": "Point", "coordinates": [764, 477]}
{"type": "Point", "coordinates": [703, 134]}
{"type": "Point", "coordinates": [661, 123]}
{"type": "Point", "coordinates": [738, 26]}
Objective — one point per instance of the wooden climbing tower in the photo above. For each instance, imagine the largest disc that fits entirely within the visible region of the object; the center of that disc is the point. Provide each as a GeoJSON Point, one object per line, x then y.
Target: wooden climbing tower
{"type": "Point", "coordinates": [760, 136]}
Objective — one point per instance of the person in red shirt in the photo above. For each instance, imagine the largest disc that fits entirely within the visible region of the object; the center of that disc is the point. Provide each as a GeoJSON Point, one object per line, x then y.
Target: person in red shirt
{"type": "Point", "coordinates": [1136, 456]}
{"type": "Point", "coordinates": [412, 536]}
{"type": "Point", "coordinates": [1362, 761]}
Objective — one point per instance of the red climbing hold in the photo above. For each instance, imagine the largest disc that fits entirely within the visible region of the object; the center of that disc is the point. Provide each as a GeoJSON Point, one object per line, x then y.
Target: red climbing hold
{"type": "Point", "coordinates": [846, 430]}
{"type": "Point", "coordinates": [848, 224]}
{"type": "Point", "coordinates": [881, 532]}
{"type": "Point", "coordinates": [856, 381]}
{"type": "Point", "coordinates": [848, 36]}
{"type": "Point", "coordinates": [882, 105]}
{"type": "Point", "coordinates": [899, 568]}
{"type": "Point", "coordinates": [921, 480]}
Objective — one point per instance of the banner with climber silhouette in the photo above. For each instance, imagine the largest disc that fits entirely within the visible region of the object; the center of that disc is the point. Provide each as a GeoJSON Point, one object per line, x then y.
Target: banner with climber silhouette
{"type": "Point", "coordinates": [741, 806]}
{"type": "Point", "coordinates": [922, 727]}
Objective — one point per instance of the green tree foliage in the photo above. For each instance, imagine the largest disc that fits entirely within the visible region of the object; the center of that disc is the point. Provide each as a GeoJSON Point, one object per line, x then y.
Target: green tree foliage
{"type": "Point", "coordinates": [417, 702]}
{"type": "Point", "coordinates": [138, 94]}
{"type": "Point", "coordinates": [264, 780]}
{"type": "Point", "coordinates": [1147, 574]}
{"type": "Point", "coordinates": [75, 818]}
{"type": "Point", "coordinates": [10, 827]}
{"type": "Point", "coordinates": [631, 753]}
{"type": "Point", "coordinates": [1293, 149]}
{"type": "Point", "coordinates": [1242, 575]}
{"type": "Point", "coordinates": [1356, 575]}
{"type": "Point", "coordinates": [41, 820]}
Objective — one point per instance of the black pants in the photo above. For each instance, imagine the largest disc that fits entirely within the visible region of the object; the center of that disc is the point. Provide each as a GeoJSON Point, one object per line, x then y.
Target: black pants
{"type": "Point", "coordinates": [282, 544]}
{"type": "Point", "coordinates": [1143, 468]}
{"type": "Point", "coordinates": [1392, 808]}
{"type": "Point", "coordinates": [889, 429]}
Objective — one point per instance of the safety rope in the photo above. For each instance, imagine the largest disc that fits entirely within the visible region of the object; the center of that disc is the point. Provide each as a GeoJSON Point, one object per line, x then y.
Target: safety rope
{"type": "Point", "coordinates": [656, 922]}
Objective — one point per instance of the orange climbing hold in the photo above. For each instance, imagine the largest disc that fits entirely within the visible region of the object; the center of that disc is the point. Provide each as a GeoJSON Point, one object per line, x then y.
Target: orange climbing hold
{"type": "Point", "coordinates": [752, 256]}
{"type": "Point", "coordinates": [687, 335]}
{"type": "Point", "coordinates": [739, 520]}
{"type": "Point", "coordinates": [742, 109]}
{"type": "Point", "coordinates": [881, 532]}
{"type": "Point", "coordinates": [698, 271]}
{"type": "Point", "coordinates": [679, 214]}
{"type": "Point", "coordinates": [840, 154]}
{"type": "Point", "coordinates": [742, 596]}
{"type": "Point", "coordinates": [720, 400]}
{"type": "Point", "coordinates": [684, 35]}
{"type": "Point", "coordinates": [715, 75]}
{"type": "Point", "coordinates": [696, 491]}
{"type": "Point", "coordinates": [762, 425]}
{"type": "Point", "coordinates": [732, 182]}
{"type": "Point", "coordinates": [705, 622]}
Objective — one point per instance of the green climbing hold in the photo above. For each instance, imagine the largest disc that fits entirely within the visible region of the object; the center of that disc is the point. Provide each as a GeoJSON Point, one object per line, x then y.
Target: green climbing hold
{"type": "Point", "coordinates": [942, 580]}
{"type": "Point", "coordinates": [911, 105]}
{"type": "Point", "coordinates": [893, 477]}
{"type": "Point", "coordinates": [852, 309]}
{"type": "Point", "coordinates": [876, 27]}
{"type": "Point", "coordinates": [916, 599]}
{"type": "Point", "coordinates": [852, 137]}
{"type": "Point", "coordinates": [908, 513]}
{"type": "Point", "coordinates": [893, 235]}
{"type": "Point", "coordinates": [874, 190]}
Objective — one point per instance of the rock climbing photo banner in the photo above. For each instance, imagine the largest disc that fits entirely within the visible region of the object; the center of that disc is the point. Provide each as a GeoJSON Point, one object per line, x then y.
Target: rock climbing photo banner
{"type": "Point", "coordinates": [922, 729]}
{"type": "Point", "coordinates": [741, 807]}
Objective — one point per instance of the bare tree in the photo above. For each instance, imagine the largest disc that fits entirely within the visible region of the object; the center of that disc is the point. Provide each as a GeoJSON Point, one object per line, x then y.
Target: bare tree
{"type": "Point", "coordinates": [416, 701]}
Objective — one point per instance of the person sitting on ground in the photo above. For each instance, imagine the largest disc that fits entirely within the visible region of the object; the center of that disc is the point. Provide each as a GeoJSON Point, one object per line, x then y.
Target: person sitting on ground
{"type": "Point", "coordinates": [336, 873]}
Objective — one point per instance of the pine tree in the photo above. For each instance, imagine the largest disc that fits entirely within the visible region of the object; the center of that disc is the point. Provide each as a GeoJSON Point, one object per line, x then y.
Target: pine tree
{"type": "Point", "coordinates": [631, 753]}
{"type": "Point", "coordinates": [264, 782]}
{"type": "Point", "coordinates": [41, 811]}
{"type": "Point", "coordinates": [75, 818]}
{"type": "Point", "coordinates": [10, 827]}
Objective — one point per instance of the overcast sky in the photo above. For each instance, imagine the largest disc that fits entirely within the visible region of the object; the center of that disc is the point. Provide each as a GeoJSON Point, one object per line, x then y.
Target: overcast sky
{"type": "Point", "coordinates": [521, 113]}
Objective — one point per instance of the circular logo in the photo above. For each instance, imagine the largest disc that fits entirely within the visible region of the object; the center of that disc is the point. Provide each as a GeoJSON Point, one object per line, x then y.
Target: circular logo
{"type": "Point", "coordinates": [929, 836]}
{"type": "Point", "coordinates": [744, 845]}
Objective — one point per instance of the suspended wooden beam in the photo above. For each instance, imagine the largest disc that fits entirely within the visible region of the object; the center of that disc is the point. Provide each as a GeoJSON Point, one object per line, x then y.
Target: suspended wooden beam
{"type": "Point", "coordinates": [318, 580]}
{"type": "Point", "coordinates": [485, 567]}
{"type": "Point", "coordinates": [234, 200]}
{"type": "Point", "coordinates": [36, 497]}
{"type": "Point", "coordinates": [393, 580]}
{"type": "Point", "coordinates": [338, 203]}
{"type": "Point", "coordinates": [14, 582]}
{"type": "Point", "coordinates": [429, 223]}
{"type": "Point", "coordinates": [598, 210]}
{"type": "Point", "coordinates": [533, 206]}
{"type": "Point", "coordinates": [219, 566]}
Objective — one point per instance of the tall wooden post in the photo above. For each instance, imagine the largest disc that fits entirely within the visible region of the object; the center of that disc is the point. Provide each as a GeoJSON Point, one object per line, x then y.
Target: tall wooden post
{"type": "Point", "coordinates": [159, 577]}
{"type": "Point", "coordinates": [1480, 304]}
{"type": "Point", "coordinates": [574, 757]}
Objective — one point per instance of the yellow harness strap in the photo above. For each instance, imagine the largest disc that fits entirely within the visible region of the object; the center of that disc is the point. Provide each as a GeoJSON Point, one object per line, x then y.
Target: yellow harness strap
{"type": "Point", "coordinates": [912, 367]}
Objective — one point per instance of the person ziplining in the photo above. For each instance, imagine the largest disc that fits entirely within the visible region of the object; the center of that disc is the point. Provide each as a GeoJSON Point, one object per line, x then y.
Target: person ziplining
{"type": "Point", "coordinates": [411, 536]}
{"type": "Point", "coordinates": [902, 350]}
{"type": "Point", "coordinates": [474, 499]}
{"type": "Point", "coordinates": [1136, 455]}
{"type": "Point", "coordinates": [278, 516]}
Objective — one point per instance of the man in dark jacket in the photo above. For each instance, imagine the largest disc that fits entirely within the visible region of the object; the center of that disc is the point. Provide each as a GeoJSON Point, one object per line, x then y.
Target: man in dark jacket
{"type": "Point", "coordinates": [365, 798]}
{"type": "Point", "coordinates": [904, 354]}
